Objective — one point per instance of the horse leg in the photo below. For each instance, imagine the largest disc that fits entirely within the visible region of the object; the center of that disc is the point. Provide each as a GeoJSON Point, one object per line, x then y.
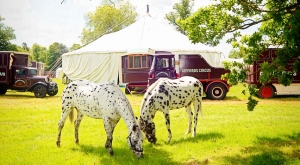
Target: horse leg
{"type": "Point", "coordinates": [77, 124]}
{"type": "Point", "coordinates": [167, 117]}
{"type": "Point", "coordinates": [65, 113]}
{"type": "Point", "coordinates": [109, 125]}
{"type": "Point", "coordinates": [197, 109]}
{"type": "Point", "coordinates": [190, 114]}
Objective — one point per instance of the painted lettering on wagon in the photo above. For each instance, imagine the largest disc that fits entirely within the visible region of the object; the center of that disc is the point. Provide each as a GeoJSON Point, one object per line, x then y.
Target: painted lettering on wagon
{"type": "Point", "coordinates": [196, 70]}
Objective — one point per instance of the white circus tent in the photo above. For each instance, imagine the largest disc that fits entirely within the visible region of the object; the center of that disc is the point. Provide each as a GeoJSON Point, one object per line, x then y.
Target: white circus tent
{"type": "Point", "coordinates": [100, 61]}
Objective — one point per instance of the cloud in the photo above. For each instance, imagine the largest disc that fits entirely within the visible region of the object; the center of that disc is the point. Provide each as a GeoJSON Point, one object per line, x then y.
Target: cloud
{"type": "Point", "coordinates": [46, 22]}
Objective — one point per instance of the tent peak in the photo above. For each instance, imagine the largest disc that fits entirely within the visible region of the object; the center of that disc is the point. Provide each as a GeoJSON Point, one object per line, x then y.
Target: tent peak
{"type": "Point", "coordinates": [148, 10]}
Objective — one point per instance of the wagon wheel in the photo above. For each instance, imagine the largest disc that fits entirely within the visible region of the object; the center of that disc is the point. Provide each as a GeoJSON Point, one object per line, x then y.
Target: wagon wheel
{"type": "Point", "coordinates": [127, 90]}
{"type": "Point", "coordinates": [40, 91]}
{"type": "Point", "coordinates": [217, 91]}
{"type": "Point", "coordinates": [3, 91]}
{"type": "Point", "coordinates": [266, 91]}
{"type": "Point", "coordinates": [52, 93]}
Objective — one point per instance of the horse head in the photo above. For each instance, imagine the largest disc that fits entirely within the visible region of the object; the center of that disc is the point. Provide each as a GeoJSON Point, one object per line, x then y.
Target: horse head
{"type": "Point", "coordinates": [148, 129]}
{"type": "Point", "coordinates": [135, 141]}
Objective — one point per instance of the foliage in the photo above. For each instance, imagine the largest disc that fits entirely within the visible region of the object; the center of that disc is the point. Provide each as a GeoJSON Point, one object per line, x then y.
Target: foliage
{"type": "Point", "coordinates": [108, 17]}
{"type": "Point", "coordinates": [54, 53]}
{"type": "Point", "coordinates": [181, 10]}
{"type": "Point", "coordinates": [279, 27]}
{"type": "Point", "coordinates": [75, 47]}
{"type": "Point", "coordinates": [25, 47]}
{"type": "Point", "coordinates": [236, 53]}
{"type": "Point", "coordinates": [6, 34]}
{"type": "Point", "coordinates": [39, 53]}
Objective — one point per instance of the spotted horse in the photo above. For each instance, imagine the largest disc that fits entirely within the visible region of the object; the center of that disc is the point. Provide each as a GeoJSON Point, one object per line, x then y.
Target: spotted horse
{"type": "Point", "coordinates": [166, 94]}
{"type": "Point", "coordinates": [100, 101]}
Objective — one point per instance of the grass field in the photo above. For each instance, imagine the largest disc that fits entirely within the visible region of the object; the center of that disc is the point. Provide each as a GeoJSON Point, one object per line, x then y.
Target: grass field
{"type": "Point", "coordinates": [226, 134]}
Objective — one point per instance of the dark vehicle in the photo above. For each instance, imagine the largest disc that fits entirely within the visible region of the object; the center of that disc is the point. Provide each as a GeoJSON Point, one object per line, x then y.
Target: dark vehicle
{"type": "Point", "coordinates": [163, 65]}
{"type": "Point", "coordinates": [138, 74]}
{"type": "Point", "coordinates": [135, 69]}
{"type": "Point", "coordinates": [273, 87]}
{"type": "Point", "coordinates": [16, 75]}
{"type": "Point", "coordinates": [191, 65]}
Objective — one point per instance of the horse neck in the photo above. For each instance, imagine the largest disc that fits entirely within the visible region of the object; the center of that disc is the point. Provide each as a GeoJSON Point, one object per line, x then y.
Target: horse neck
{"type": "Point", "coordinates": [126, 113]}
{"type": "Point", "coordinates": [147, 108]}
{"type": "Point", "coordinates": [147, 111]}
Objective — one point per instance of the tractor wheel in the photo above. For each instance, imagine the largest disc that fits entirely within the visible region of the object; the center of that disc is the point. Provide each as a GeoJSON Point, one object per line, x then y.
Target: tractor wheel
{"type": "Point", "coordinates": [3, 91]}
{"type": "Point", "coordinates": [266, 91]}
{"type": "Point", "coordinates": [52, 93]}
{"type": "Point", "coordinates": [40, 91]}
{"type": "Point", "coordinates": [216, 91]}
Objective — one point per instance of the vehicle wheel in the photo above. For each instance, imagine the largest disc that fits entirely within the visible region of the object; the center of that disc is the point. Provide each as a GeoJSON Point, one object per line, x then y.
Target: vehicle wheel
{"type": "Point", "coordinates": [52, 93]}
{"type": "Point", "coordinates": [126, 90]}
{"type": "Point", "coordinates": [40, 91]}
{"type": "Point", "coordinates": [266, 91]}
{"type": "Point", "coordinates": [3, 91]}
{"type": "Point", "coordinates": [216, 91]}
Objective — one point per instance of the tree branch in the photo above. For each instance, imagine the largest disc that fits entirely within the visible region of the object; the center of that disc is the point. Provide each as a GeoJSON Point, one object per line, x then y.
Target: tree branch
{"type": "Point", "coordinates": [289, 9]}
{"type": "Point", "coordinates": [244, 26]}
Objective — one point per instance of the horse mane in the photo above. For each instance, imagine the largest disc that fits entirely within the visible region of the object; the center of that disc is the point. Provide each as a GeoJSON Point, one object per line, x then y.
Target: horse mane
{"type": "Point", "coordinates": [150, 89]}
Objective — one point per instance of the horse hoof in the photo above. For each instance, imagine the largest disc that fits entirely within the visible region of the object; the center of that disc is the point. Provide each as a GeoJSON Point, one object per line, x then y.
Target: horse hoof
{"type": "Point", "coordinates": [111, 153]}
{"type": "Point", "coordinates": [187, 132]}
{"type": "Point", "coordinates": [58, 143]}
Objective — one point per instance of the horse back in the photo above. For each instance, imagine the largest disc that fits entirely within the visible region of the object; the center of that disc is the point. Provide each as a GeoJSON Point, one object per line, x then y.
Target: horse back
{"type": "Point", "coordinates": [172, 94]}
{"type": "Point", "coordinates": [91, 99]}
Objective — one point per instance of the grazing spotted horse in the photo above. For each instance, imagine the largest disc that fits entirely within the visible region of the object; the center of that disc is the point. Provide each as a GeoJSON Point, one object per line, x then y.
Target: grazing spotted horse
{"type": "Point", "coordinates": [100, 101]}
{"type": "Point", "coordinates": [165, 95]}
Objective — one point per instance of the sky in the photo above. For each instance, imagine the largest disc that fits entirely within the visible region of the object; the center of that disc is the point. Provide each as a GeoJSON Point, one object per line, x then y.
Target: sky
{"type": "Point", "coordinates": [47, 21]}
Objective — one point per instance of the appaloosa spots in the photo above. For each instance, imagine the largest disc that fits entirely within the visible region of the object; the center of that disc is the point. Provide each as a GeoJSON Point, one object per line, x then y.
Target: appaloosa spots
{"type": "Point", "coordinates": [165, 95]}
{"type": "Point", "coordinates": [93, 100]}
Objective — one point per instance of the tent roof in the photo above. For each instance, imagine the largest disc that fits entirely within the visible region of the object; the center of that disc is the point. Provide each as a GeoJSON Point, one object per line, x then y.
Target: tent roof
{"type": "Point", "coordinates": [143, 34]}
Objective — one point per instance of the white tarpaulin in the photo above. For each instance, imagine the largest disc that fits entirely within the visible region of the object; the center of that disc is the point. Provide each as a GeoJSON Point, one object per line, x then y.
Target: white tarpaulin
{"type": "Point", "coordinates": [100, 61]}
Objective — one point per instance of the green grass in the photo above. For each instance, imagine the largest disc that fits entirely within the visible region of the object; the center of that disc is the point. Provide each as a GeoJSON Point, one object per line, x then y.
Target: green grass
{"type": "Point", "coordinates": [226, 133]}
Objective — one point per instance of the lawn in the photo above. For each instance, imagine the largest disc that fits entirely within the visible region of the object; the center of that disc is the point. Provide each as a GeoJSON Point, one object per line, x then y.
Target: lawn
{"type": "Point", "coordinates": [226, 133]}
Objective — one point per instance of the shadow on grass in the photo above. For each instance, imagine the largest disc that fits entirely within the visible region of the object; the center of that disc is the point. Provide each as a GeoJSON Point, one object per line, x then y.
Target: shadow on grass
{"type": "Point", "coordinates": [233, 98]}
{"type": "Point", "coordinates": [270, 151]}
{"type": "Point", "coordinates": [22, 96]}
{"type": "Point", "coordinates": [228, 98]}
{"type": "Point", "coordinates": [199, 137]}
{"type": "Point", "coordinates": [282, 97]}
{"type": "Point", "coordinates": [126, 156]}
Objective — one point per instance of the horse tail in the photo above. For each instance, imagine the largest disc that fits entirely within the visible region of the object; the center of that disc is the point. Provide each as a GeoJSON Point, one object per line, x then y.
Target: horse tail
{"type": "Point", "coordinates": [71, 115]}
{"type": "Point", "coordinates": [200, 108]}
{"type": "Point", "coordinates": [200, 99]}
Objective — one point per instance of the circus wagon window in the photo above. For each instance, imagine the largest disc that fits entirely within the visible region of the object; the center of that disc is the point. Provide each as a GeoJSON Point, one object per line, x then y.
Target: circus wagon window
{"type": "Point", "coordinates": [138, 61]}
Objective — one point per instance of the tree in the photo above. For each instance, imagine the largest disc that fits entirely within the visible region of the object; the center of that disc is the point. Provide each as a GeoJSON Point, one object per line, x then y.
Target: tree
{"type": "Point", "coordinates": [25, 47]}
{"type": "Point", "coordinates": [55, 51]}
{"type": "Point", "coordinates": [106, 19]}
{"type": "Point", "coordinates": [236, 53]}
{"type": "Point", "coordinates": [279, 26]}
{"type": "Point", "coordinates": [39, 53]}
{"type": "Point", "coordinates": [75, 47]}
{"type": "Point", "coordinates": [181, 11]}
{"type": "Point", "coordinates": [6, 34]}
